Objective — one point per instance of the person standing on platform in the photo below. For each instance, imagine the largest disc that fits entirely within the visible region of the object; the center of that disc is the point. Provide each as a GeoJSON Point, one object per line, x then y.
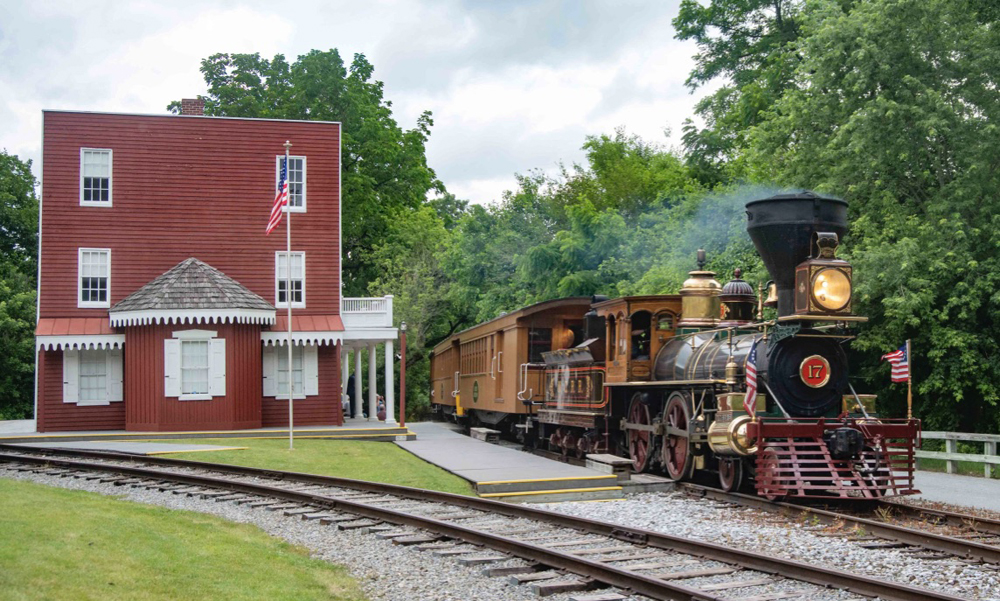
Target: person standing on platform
{"type": "Point", "coordinates": [350, 395]}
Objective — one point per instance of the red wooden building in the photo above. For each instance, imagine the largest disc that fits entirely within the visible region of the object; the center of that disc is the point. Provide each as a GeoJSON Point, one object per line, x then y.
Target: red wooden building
{"type": "Point", "coordinates": [161, 301]}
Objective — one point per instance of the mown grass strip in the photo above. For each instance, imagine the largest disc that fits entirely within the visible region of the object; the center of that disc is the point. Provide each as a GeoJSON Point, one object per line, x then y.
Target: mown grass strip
{"type": "Point", "coordinates": [63, 544]}
{"type": "Point", "coordinates": [372, 461]}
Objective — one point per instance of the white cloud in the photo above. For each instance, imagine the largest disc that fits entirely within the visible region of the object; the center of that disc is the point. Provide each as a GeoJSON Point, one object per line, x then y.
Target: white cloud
{"type": "Point", "coordinates": [513, 86]}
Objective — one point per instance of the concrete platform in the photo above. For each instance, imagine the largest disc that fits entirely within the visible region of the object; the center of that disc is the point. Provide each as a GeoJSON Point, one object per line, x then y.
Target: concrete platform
{"type": "Point", "coordinates": [353, 429]}
{"type": "Point", "coordinates": [131, 448]}
{"type": "Point", "coordinates": [507, 474]}
{"type": "Point", "coordinates": [968, 491]}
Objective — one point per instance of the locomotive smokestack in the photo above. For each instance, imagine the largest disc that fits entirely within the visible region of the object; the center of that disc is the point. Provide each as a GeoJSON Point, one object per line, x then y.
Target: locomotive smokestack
{"type": "Point", "coordinates": [783, 228]}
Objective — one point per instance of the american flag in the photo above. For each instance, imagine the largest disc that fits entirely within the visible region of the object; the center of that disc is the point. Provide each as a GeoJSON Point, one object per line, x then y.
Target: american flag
{"type": "Point", "coordinates": [750, 401]}
{"type": "Point", "coordinates": [900, 364]}
{"type": "Point", "coordinates": [280, 200]}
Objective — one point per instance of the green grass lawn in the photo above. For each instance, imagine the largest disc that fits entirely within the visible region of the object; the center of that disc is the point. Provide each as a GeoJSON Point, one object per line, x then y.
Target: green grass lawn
{"type": "Point", "coordinates": [965, 468]}
{"type": "Point", "coordinates": [63, 544]}
{"type": "Point", "coordinates": [372, 461]}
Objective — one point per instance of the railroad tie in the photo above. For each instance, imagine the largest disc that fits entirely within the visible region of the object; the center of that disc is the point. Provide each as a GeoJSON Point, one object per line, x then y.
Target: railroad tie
{"type": "Point", "coordinates": [534, 576]}
{"type": "Point", "coordinates": [316, 516]}
{"type": "Point", "coordinates": [599, 597]}
{"type": "Point", "coordinates": [415, 539]}
{"type": "Point", "coordinates": [511, 570]}
{"type": "Point", "coordinates": [299, 511]}
{"type": "Point", "coordinates": [336, 519]}
{"type": "Point", "coordinates": [391, 534]}
{"type": "Point", "coordinates": [694, 573]}
{"type": "Point", "coordinates": [464, 550]}
{"type": "Point", "coordinates": [772, 596]}
{"type": "Point", "coordinates": [722, 586]}
{"type": "Point", "coordinates": [357, 525]}
{"type": "Point", "coordinates": [544, 589]}
{"type": "Point", "coordinates": [474, 560]}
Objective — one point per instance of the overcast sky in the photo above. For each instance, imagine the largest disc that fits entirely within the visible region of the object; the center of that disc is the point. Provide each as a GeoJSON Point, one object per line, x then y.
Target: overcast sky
{"type": "Point", "coordinates": [513, 85]}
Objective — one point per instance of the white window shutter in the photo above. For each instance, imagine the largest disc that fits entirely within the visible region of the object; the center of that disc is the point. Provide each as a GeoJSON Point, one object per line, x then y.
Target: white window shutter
{"type": "Point", "coordinates": [310, 369]}
{"type": "Point", "coordinates": [270, 370]}
{"type": "Point", "coordinates": [172, 368]}
{"type": "Point", "coordinates": [217, 367]}
{"type": "Point", "coordinates": [71, 376]}
{"type": "Point", "coordinates": [116, 377]}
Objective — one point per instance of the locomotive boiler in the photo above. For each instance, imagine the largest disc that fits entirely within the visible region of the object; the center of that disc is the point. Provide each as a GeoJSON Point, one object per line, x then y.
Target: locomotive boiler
{"type": "Point", "coordinates": [699, 383]}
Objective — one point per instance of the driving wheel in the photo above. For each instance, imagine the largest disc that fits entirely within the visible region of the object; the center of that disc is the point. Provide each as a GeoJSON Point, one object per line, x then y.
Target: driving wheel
{"type": "Point", "coordinates": [677, 441]}
{"type": "Point", "coordinates": [640, 442]}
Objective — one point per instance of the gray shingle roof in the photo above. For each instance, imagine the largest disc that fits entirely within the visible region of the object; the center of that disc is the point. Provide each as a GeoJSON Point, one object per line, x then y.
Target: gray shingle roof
{"type": "Point", "coordinates": [192, 284]}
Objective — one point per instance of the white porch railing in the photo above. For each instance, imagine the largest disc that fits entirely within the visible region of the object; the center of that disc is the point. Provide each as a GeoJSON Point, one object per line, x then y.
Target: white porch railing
{"type": "Point", "coordinates": [366, 312]}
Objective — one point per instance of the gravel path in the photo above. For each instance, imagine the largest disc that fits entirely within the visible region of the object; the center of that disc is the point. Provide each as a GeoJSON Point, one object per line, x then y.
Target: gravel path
{"type": "Point", "coordinates": [746, 528]}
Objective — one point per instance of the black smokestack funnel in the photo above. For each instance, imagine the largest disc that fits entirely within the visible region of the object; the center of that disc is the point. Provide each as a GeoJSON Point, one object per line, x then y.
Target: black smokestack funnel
{"type": "Point", "coordinates": [782, 228]}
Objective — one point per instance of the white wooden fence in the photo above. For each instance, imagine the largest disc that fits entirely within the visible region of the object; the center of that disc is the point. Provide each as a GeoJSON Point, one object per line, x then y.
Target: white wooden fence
{"type": "Point", "coordinates": [951, 454]}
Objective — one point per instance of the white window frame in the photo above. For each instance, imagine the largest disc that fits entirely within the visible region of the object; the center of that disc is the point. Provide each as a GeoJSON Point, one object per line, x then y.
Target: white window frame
{"type": "Point", "coordinates": [310, 371]}
{"type": "Point", "coordinates": [114, 377]}
{"type": "Point", "coordinates": [172, 351]}
{"type": "Point", "coordinates": [80, 303]}
{"type": "Point", "coordinates": [111, 170]}
{"type": "Point", "coordinates": [277, 178]}
{"type": "Point", "coordinates": [284, 305]}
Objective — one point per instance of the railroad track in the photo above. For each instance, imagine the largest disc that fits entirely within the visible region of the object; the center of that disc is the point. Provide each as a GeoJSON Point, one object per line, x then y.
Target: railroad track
{"type": "Point", "coordinates": [564, 553]}
{"type": "Point", "coordinates": [939, 533]}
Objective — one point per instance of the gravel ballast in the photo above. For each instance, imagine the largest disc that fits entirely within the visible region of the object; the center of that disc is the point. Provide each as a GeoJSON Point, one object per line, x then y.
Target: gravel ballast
{"type": "Point", "coordinates": [392, 572]}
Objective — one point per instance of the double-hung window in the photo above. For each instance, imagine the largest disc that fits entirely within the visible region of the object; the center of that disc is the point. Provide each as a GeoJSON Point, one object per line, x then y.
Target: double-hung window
{"type": "Point", "coordinates": [194, 365]}
{"type": "Point", "coordinates": [296, 181]}
{"type": "Point", "coordinates": [95, 177]}
{"type": "Point", "coordinates": [94, 279]}
{"type": "Point", "coordinates": [297, 265]}
{"type": "Point", "coordinates": [305, 371]}
{"type": "Point", "coordinates": [92, 376]}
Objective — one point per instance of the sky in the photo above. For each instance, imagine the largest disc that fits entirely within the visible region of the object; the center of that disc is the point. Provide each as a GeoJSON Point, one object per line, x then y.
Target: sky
{"type": "Point", "coordinates": [513, 85]}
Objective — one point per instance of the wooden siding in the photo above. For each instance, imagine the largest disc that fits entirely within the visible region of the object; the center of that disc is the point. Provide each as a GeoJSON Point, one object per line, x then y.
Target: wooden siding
{"type": "Point", "coordinates": [321, 410]}
{"type": "Point", "coordinates": [56, 416]}
{"type": "Point", "coordinates": [149, 409]}
{"type": "Point", "coordinates": [186, 187]}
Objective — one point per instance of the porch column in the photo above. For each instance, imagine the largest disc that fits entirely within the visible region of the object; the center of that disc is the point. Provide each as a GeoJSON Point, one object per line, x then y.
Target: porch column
{"type": "Point", "coordinates": [358, 404]}
{"type": "Point", "coordinates": [345, 358]}
{"type": "Point", "coordinates": [390, 396]}
{"type": "Point", "coordinates": [372, 384]}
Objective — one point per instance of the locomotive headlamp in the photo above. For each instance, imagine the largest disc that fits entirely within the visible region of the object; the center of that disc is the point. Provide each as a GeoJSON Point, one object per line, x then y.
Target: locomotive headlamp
{"type": "Point", "coordinates": [831, 288]}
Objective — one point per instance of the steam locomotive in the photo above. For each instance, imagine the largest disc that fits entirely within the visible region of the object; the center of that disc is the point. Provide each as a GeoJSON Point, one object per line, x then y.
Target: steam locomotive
{"type": "Point", "coordinates": [663, 379]}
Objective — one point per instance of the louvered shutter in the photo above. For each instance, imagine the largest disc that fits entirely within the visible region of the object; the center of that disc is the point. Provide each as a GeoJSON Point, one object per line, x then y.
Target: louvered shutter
{"type": "Point", "coordinates": [172, 368]}
{"type": "Point", "coordinates": [310, 369]}
{"type": "Point", "coordinates": [116, 375]}
{"type": "Point", "coordinates": [71, 376]}
{"type": "Point", "coordinates": [217, 367]}
{"type": "Point", "coordinates": [270, 369]}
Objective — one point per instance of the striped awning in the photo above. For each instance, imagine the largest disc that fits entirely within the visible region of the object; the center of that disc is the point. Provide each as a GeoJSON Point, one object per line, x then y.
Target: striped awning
{"type": "Point", "coordinates": [76, 333]}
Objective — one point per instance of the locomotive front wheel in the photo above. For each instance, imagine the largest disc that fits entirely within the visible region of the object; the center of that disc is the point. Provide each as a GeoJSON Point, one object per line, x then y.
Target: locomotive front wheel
{"type": "Point", "coordinates": [730, 474]}
{"type": "Point", "coordinates": [639, 441]}
{"type": "Point", "coordinates": [677, 442]}
{"type": "Point", "coordinates": [769, 482]}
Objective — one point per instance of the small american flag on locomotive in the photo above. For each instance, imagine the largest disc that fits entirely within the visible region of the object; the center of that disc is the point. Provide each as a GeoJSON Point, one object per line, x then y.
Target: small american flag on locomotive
{"type": "Point", "coordinates": [900, 364]}
{"type": "Point", "coordinates": [280, 200]}
{"type": "Point", "coordinates": [750, 401]}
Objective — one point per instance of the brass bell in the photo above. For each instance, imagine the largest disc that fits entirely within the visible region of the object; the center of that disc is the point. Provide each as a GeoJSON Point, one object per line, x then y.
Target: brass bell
{"type": "Point", "coordinates": [772, 295]}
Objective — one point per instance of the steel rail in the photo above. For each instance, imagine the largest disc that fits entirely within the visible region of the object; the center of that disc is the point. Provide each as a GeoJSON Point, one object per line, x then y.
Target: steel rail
{"type": "Point", "coordinates": [928, 540]}
{"type": "Point", "coordinates": [859, 584]}
{"type": "Point", "coordinates": [951, 518]}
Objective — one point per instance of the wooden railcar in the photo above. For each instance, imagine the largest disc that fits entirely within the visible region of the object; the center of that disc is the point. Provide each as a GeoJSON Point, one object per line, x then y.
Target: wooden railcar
{"type": "Point", "coordinates": [493, 373]}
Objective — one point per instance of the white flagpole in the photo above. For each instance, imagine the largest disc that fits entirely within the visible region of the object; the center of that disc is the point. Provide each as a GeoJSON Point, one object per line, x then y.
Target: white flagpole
{"type": "Point", "coordinates": [909, 382]}
{"type": "Point", "coordinates": [288, 295]}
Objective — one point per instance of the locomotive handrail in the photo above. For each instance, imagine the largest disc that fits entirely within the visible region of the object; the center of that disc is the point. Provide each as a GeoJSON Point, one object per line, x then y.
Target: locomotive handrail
{"type": "Point", "coordinates": [522, 384]}
{"type": "Point", "coordinates": [492, 363]}
{"type": "Point", "coordinates": [500, 362]}
{"type": "Point", "coordinates": [454, 393]}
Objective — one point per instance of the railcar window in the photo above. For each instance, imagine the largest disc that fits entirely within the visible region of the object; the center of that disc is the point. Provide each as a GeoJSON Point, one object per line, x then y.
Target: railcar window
{"type": "Point", "coordinates": [539, 341]}
{"type": "Point", "coordinates": [641, 323]}
{"type": "Point", "coordinates": [665, 322]}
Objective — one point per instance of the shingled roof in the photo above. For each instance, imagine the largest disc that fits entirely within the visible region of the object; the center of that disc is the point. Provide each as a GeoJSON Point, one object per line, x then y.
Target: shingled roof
{"type": "Point", "coordinates": [192, 285]}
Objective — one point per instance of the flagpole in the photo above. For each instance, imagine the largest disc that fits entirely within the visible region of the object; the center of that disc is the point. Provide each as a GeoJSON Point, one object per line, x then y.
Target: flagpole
{"type": "Point", "coordinates": [288, 297]}
{"type": "Point", "coordinates": [909, 381]}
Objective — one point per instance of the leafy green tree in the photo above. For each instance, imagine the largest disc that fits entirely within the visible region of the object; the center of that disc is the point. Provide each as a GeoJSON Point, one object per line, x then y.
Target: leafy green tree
{"type": "Point", "coordinates": [384, 166]}
{"type": "Point", "coordinates": [894, 105]}
{"type": "Point", "coordinates": [18, 271]}
{"type": "Point", "coordinates": [749, 45]}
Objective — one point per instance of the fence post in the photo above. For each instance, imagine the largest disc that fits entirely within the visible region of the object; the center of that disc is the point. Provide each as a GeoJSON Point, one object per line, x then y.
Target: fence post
{"type": "Point", "coordinates": [990, 448]}
{"type": "Point", "coordinates": [950, 446]}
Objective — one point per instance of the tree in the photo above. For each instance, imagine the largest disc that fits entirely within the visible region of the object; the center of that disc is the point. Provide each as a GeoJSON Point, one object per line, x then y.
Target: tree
{"type": "Point", "coordinates": [18, 270]}
{"type": "Point", "coordinates": [894, 105]}
{"type": "Point", "coordinates": [384, 167]}
{"type": "Point", "coordinates": [749, 44]}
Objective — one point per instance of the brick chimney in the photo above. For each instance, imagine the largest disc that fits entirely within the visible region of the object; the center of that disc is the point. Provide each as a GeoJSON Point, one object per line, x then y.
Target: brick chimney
{"type": "Point", "coordinates": [193, 106]}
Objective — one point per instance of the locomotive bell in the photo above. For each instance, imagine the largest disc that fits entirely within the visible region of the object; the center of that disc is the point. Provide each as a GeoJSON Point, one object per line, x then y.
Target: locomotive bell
{"type": "Point", "coordinates": [700, 304]}
{"type": "Point", "coordinates": [738, 300]}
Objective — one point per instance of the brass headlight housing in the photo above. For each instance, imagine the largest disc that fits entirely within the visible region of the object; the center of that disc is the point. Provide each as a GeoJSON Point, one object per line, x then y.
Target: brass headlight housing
{"type": "Point", "coordinates": [831, 288]}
